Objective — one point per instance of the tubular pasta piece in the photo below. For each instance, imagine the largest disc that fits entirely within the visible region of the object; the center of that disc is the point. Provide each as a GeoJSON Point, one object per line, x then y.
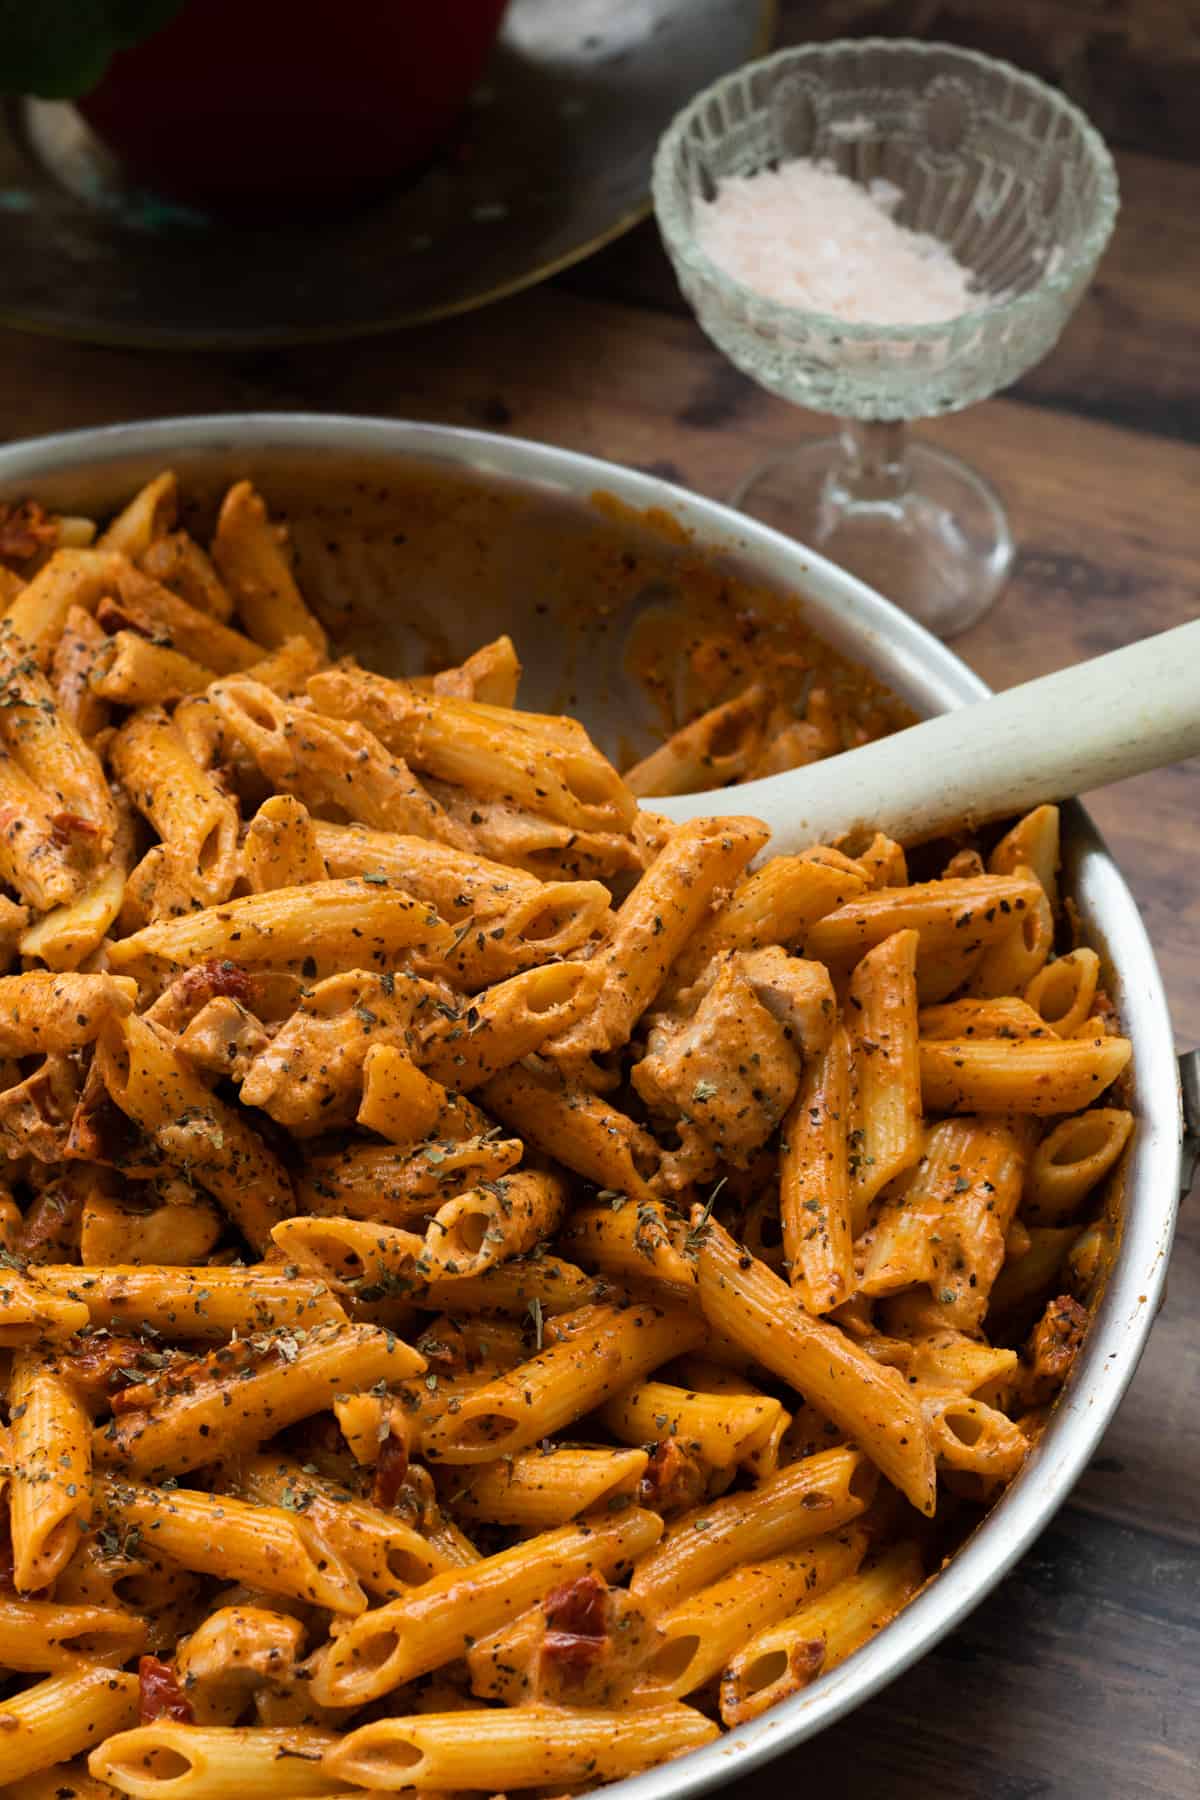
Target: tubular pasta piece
{"type": "Point", "coordinates": [1038, 1075]}
{"type": "Point", "coordinates": [251, 559]}
{"type": "Point", "coordinates": [387, 1555]}
{"type": "Point", "coordinates": [538, 1491]}
{"type": "Point", "coordinates": [330, 925]}
{"type": "Point", "coordinates": [574, 1126]}
{"type": "Point", "coordinates": [631, 1241]}
{"type": "Point", "coordinates": [776, 904]}
{"type": "Point", "coordinates": [34, 847]}
{"type": "Point", "coordinates": [177, 561]}
{"type": "Point", "coordinates": [134, 671]}
{"type": "Point", "coordinates": [401, 1103]}
{"type": "Point", "coordinates": [818, 1495]}
{"type": "Point", "coordinates": [661, 913]}
{"type": "Point", "coordinates": [71, 671]}
{"type": "Point", "coordinates": [329, 762]}
{"type": "Point", "coordinates": [490, 674]}
{"type": "Point", "coordinates": [431, 1626]}
{"type": "Point", "coordinates": [696, 1636]}
{"type": "Point", "coordinates": [1033, 843]}
{"type": "Point", "coordinates": [155, 1086]}
{"type": "Point", "coordinates": [237, 1409]}
{"type": "Point", "coordinates": [214, 1762]}
{"type": "Point", "coordinates": [490, 1224]}
{"type": "Point", "coordinates": [51, 1472]}
{"type": "Point", "coordinates": [761, 1315]}
{"type": "Point", "coordinates": [710, 751]}
{"type": "Point", "coordinates": [721, 1429]}
{"type": "Point", "coordinates": [47, 1634]}
{"type": "Point", "coordinates": [41, 1013]}
{"type": "Point", "coordinates": [881, 1022]}
{"type": "Point", "coordinates": [506, 1023]}
{"type": "Point", "coordinates": [814, 1181]}
{"type": "Point", "coordinates": [1012, 961]}
{"type": "Point", "coordinates": [527, 1746]}
{"type": "Point", "coordinates": [71, 578]}
{"type": "Point", "coordinates": [604, 1351]}
{"type": "Point", "coordinates": [215, 1534]}
{"type": "Point", "coordinates": [495, 752]}
{"type": "Point", "coordinates": [966, 1434]}
{"type": "Point", "coordinates": [32, 1313]}
{"type": "Point", "coordinates": [280, 847]}
{"type": "Point", "coordinates": [787, 1657]}
{"type": "Point", "coordinates": [1072, 1159]}
{"type": "Point", "coordinates": [151, 513]}
{"type": "Point", "coordinates": [354, 1255]}
{"type": "Point", "coordinates": [197, 822]}
{"type": "Point", "coordinates": [190, 1303]}
{"type": "Point", "coordinates": [1062, 992]}
{"type": "Point", "coordinates": [953, 919]}
{"type": "Point", "coordinates": [60, 1717]}
{"type": "Point", "coordinates": [400, 1184]}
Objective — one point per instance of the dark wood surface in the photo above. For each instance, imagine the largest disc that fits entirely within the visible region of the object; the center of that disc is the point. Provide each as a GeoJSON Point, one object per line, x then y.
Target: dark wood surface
{"type": "Point", "coordinates": [1078, 1679]}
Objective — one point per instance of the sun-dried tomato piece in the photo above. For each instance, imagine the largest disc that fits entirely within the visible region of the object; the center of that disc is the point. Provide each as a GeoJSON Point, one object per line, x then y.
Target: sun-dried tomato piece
{"type": "Point", "coordinates": [25, 528]}
{"type": "Point", "coordinates": [390, 1470]}
{"type": "Point", "coordinates": [576, 1633]}
{"type": "Point", "coordinates": [160, 1694]}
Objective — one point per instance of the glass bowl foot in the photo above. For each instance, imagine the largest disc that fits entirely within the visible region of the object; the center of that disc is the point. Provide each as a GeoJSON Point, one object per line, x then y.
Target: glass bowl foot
{"type": "Point", "coordinates": [916, 523]}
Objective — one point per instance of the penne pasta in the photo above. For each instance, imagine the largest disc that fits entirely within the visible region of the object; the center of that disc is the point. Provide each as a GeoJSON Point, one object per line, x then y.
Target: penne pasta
{"type": "Point", "coordinates": [531, 1746]}
{"type": "Point", "coordinates": [319, 929]}
{"type": "Point", "coordinates": [954, 921]}
{"type": "Point", "coordinates": [195, 820]}
{"type": "Point", "coordinates": [154, 1085]}
{"type": "Point", "coordinates": [1062, 992]}
{"type": "Point", "coordinates": [548, 766]}
{"type": "Point", "coordinates": [814, 1181]}
{"type": "Point", "coordinates": [695, 1637]}
{"type": "Point", "coordinates": [1038, 1075]}
{"type": "Point", "coordinates": [266, 1547]}
{"type": "Point", "coordinates": [255, 569]}
{"type": "Point", "coordinates": [754, 1308]}
{"type": "Point", "coordinates": [214, 1762]}
{"type": "Point", "coordinates": [408, 1139]}
{"type": "Point", "coordinates": [575, 1126]}
{"type": "Point", "coordinates": [818, 1495]}
{"type": "Point", "coordinates": [630, 1241]}
{"type": "Point", "coordinates": [721, 1429]}
{"type": "Point", "coordinates": [64, 1716]}
{"type": "Point", "coordinates": [539, 1490]}
{"type": "Point", "coordinates": [238, 1402]}
{"type": "Point", "coordinates": [787, 1657]}
{"type": "Point", "coordinates": [429, 1627]}
{"type": "Point", "coordinates": [51, 1490]}
{"type": "Point", "coordinates": [604, 1350]}
{"type": "Point", "coordinates": [881, 1023]}
{"type": "Point", "coordinates": [179, 1302]}
{"type": "Point", "coordinates": [1073, 1158]}
{"type": "Point", "coordinates": [653, 925]}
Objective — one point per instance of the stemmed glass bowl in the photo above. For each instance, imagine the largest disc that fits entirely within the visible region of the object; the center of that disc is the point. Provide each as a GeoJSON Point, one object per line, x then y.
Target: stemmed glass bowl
{"type": "Point", "coordinates": [1000, 168]}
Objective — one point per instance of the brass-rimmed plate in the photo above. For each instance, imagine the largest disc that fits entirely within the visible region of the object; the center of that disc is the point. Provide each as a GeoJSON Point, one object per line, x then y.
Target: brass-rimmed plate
{"type": "Point", "coordinates": [551, 161]}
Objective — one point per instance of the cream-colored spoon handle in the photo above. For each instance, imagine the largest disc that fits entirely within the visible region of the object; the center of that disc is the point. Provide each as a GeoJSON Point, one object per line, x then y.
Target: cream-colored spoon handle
{"type": "Point", "coordinates": [1064, 734]}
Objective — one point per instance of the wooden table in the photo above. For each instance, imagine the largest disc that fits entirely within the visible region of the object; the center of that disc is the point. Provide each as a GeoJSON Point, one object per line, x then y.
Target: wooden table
{"type": "Point", "coordinates": [1078, 1679]}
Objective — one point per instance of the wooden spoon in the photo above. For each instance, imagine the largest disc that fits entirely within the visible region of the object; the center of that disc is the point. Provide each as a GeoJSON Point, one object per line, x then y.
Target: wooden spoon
{"type": "Point", "coordinates": [1081, 728]}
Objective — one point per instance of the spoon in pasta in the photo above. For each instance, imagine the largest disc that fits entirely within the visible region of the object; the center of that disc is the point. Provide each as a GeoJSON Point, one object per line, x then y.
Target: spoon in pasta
{"type": "Point", "coordinates": [1098, 722]}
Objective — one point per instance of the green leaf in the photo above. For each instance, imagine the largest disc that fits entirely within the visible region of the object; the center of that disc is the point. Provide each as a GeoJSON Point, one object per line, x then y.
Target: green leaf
{"type": "Point", "coordinates": [58, 49]}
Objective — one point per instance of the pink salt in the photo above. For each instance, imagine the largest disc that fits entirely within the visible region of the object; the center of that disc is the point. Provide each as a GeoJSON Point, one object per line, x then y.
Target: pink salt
{"type": "Point", "coordinates": [808, 237]}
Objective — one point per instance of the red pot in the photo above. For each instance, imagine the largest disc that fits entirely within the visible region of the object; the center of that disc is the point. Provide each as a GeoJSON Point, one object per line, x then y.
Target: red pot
{"type": "Point", "coordinates": [237, 103]}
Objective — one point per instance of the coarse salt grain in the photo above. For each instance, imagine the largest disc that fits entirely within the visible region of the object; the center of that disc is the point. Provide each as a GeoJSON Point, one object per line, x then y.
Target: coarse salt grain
{"type": "Point", "coordinates": [808, 237]}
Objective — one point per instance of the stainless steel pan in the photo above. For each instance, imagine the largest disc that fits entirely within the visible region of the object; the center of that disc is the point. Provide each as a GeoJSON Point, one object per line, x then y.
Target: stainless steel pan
{"type": "Point", "coordinates": [414, 536]}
